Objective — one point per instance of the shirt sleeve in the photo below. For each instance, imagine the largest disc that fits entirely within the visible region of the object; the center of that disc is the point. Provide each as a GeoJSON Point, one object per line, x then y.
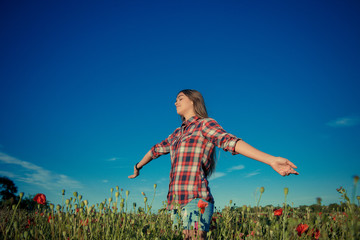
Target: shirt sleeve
{"type": "Point", "coordinates": [163, 147]}
{"type": "Point", "coordinates": [213, 132]}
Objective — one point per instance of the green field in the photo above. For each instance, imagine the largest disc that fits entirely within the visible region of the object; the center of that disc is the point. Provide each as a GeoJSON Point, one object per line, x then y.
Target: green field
{"type": "Point", "coordinates": [115, 218]}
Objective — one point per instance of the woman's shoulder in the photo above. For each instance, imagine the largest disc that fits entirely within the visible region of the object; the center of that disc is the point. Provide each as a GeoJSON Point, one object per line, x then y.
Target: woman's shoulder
{"type": "Point", "coordinates": [207, 120]}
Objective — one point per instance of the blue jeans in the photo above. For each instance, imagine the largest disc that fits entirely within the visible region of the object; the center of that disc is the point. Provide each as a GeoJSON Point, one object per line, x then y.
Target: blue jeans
{"type": "Point", "coordinates": [191, 216]}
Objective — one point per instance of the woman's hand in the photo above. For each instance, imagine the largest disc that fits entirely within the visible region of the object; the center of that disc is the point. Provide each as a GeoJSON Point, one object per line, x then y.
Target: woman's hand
{"type": "Point", "coordinates": [136, 173]}
{"type": "Point", "coordinates": [283, 166]}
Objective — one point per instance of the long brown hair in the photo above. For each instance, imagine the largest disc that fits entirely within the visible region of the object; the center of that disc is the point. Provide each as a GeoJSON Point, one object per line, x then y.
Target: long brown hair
{"type": "Point", "coordinates": [201, 112]}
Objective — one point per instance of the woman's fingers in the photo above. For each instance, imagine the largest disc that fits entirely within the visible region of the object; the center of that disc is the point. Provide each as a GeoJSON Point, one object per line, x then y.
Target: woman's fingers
{"type": "Point", "coordinates": [291, 164]}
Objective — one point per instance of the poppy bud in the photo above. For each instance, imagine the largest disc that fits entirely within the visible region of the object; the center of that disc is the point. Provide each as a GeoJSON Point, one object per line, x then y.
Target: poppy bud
{"type": "Point", "coordinates": [111, 190]}
{"type": "Point", "coordinates": [82, 204]}
{"type": "Point", "coordinates": [58, 207]}
{"type": "Point", "coordinates": [358, 198]}
{"type": "Point", "coordinates": [117, 188]}
{"type": "Point", "coordinates": [230, 202]}
{"type": "Point", "coordinates": [143, 193]}
{"type": "Point", "coordinates": [75, 194]}
{"type": "Point", "coordinates": [134, 204]}
{"type": "Point", "coordinates": [51, 206]}
{"type": "Point", "coordinates": [86, 202]}
{"type": "Point", "coordinates": [63, 192]}
{"type": "Point", "coordinates": [127, 193]}
{"type": "Point", "coordinates": [155, 186]}
{"type": "Point", "coordinates": [110, 200]}
{"type": "Point", "coordinates": [80, 197]}
{"type": "Point", "coordinates": [101, 205]}
{"type": "Point", "coordinates": [117, 194]}
{"type": "Point", "coordinates": [286, 191]}
{"type": "Point", "coordinates": [67, 202]}
{"type": "Point", "coordinates": [145, 199]}
{"type": "Point", "coordinates": [21, 195]}
{"type": "Point", "coordinates": [262, 189]}
{"type": "Point", "coordinates": [356, 179]}
{"type": "Point", "coordinates": [15, 224]}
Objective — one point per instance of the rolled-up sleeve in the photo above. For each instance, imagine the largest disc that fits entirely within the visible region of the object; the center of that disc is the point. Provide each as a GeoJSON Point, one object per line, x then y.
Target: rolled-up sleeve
{"type": "Point", "coordinates": [163, 147]}
{"type": "Point", "coordinates": [213, 132]}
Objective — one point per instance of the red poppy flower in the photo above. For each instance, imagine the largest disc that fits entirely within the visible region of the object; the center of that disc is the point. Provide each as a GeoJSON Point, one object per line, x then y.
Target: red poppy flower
{"type": "Point", "coordinates": [316, 234]}
{"type": "Point", "coordinates": [40, 198]}
{"type": "Point", "coordinates": [301, 228]}
{"type": "Point", "coordinates": [202, 205]}
{"type": "Point", "coordinates": [278, 212]}
{"type": "Point", "coordinates": [49, 218]}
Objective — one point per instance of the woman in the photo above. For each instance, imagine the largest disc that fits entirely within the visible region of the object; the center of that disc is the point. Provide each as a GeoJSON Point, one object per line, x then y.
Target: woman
{"type": "Point", "coordinates": [192, 151]}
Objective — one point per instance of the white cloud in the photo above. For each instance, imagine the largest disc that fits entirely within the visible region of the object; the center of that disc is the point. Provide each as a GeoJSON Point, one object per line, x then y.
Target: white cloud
{"type": "Point", "coordinates": [344, 122]}
{"type": "Point", "coordinates": [33, 174]}
{"type": "Point", "coordinates": [236, 168]}
{"type": "Point", "coordinates": [105, 181]}
{"type": "Point", "coordinates": [253, 174]}
{"type": "Point", "coordinates": [216, 175]}
{"type": "Point", "coordinates": [113, 159]}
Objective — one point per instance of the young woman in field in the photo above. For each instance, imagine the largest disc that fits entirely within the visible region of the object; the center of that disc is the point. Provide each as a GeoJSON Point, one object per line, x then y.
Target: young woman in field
{"type": "Point", "coordinates": [192, 151]}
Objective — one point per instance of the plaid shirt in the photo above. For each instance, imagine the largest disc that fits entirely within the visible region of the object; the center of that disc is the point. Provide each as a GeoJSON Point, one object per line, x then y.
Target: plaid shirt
{"type": "Point", "coordinates": [190, 147]}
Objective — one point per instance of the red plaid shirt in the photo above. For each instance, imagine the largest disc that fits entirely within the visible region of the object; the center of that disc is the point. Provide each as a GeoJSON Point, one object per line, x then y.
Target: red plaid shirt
{"type": "Point", "coordinates": [190, 147]}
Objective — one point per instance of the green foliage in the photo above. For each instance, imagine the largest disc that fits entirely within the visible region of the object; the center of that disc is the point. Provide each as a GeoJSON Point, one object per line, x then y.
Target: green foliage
{"type": "Point", "coordinates": [111, 219]}
{"type": "Point", "coordinates": [7, 189]}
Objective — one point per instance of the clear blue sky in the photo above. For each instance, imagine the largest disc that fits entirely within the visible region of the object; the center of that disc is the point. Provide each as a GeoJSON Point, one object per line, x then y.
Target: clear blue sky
{"type": "Point", "coordinates": [88, 87]}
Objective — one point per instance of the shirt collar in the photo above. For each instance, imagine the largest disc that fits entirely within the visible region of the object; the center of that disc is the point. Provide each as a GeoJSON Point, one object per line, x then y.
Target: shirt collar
{"type": "Point", "coordinates": [190, 120]}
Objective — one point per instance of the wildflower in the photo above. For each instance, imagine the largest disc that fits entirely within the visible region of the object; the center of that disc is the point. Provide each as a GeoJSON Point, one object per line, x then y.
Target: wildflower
{"type": "Point", "coordinates": [202, 205]}
{"type": "Point", "coordinates": [301, 228]}
{"type": "Point", "coordinates": [40, 198]}
{"type": "Point", "coordinates": [49, 218]}
{"type": "Point", "coordinates": [278, 212]}
{"type": "Point", "coordinates": [316, 234]}
{"type": "Point", "coordinates": [84, 223]}
{"type": "Point", "coordinates": [320, 214]}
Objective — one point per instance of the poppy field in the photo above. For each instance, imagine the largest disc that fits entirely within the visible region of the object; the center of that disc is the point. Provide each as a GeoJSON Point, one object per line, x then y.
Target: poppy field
{"type": "Point", "coordinates": [116, 218]}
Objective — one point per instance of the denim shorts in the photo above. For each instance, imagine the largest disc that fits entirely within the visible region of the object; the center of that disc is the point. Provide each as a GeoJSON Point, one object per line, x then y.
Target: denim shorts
{"type": "Point", "coordinates": [191, 217]}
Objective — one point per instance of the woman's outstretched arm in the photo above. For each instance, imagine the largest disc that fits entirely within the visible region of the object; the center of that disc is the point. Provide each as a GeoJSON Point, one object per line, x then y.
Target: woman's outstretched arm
{"type": "Point", "coordinates": [146, 159]}
{"type": "Point", "coordinates": [281, 165]}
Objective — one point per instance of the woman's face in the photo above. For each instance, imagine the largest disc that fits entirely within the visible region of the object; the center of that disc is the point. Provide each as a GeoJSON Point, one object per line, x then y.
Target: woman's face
{"type": "Point", "coordinates": [184, 106]}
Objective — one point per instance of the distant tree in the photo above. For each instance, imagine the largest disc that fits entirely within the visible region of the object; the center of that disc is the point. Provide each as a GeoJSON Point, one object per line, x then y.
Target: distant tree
{"type": "Point", "coordinates": [7, 188]}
